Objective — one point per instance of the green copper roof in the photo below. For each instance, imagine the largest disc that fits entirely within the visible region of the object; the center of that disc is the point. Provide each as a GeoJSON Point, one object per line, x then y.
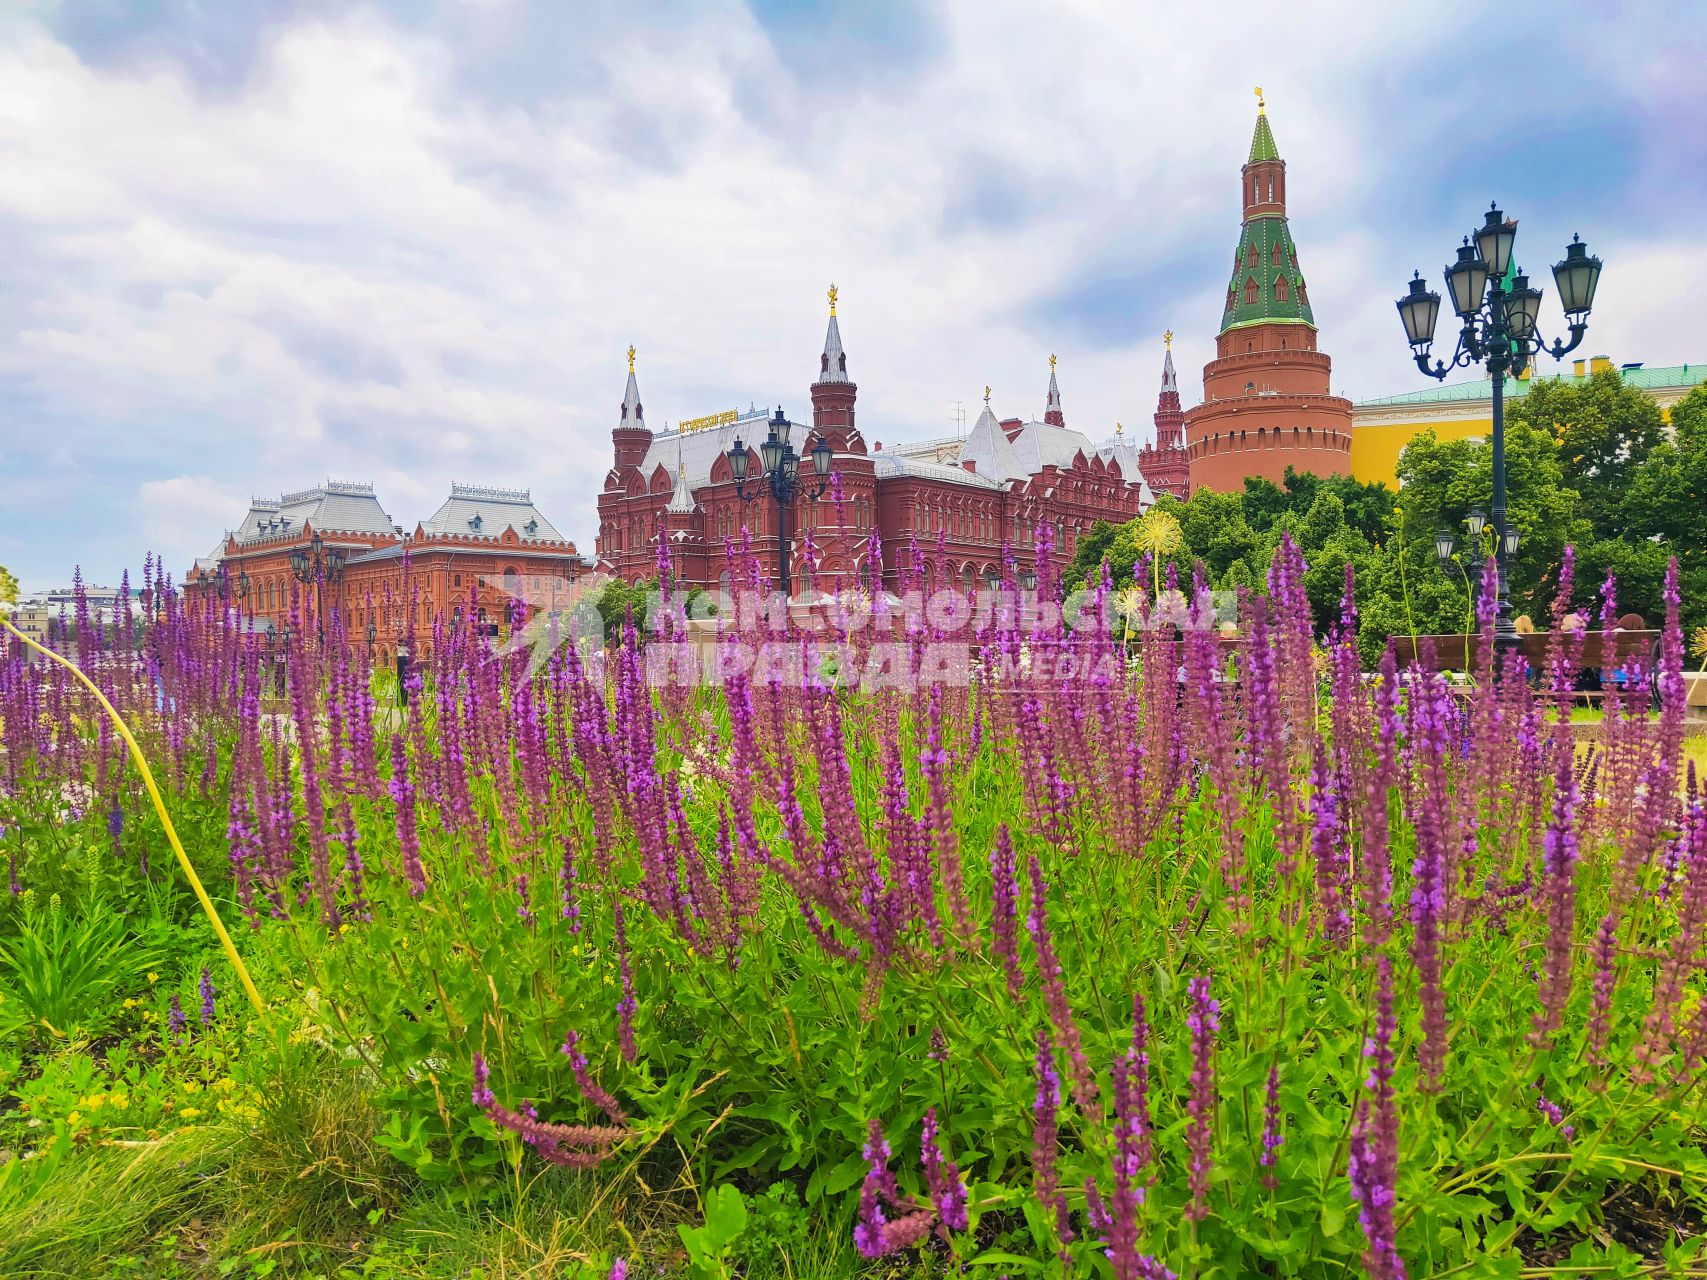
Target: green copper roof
{"type": "Point", "coordinates": [1659, 378]}
{"type": "Point", "coordinates": [1262, 141]}
{"type": "Point", "coordinates": [1266, 285]}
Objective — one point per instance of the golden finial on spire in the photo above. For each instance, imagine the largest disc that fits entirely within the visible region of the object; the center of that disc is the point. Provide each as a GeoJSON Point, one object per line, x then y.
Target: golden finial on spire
{"type": "Point", "coordinates": [986, 395]}
{"type": "Point", "coordinates": [631, 357]}
{"type": "Point", "coordinates": [1052, 364]}
{"type": "Point", "coordinates": [1168, 340]}
{"type": "Point", "coordinates": [832, 300]}
{"type": "Point", "coordinates": [1119, 427]}
{"type": "Point", "coordinates": [1262, 109]}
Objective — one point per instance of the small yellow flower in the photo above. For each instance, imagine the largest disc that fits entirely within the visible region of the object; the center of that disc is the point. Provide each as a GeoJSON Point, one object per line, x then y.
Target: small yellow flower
{"type": "Point", "coordinates": [190, 1086]}
{"type": "Point", "coordinates": [225, 1085]}
{"type": "Point", "coordinates": [190, 1113]}
{"type": "Point", "coordinates": [74, 1119]}
{"type": "Point", "coordinates": [121, 1100]}
{"type": "Point", "coordinates": [153, 977]}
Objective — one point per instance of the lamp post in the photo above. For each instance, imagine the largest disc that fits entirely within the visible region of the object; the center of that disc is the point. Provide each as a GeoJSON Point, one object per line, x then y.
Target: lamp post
{"type": "Point", "coordinates": [402, 675]}
{"type": "Point", "coordinates": [319, 564]}
{"type": "Point", "coordinates": [779, 477]}
{"type": "Point", "coordinates": [372, 635]}
{"type": "Point", "coordinates": [1498, 318]}
{"type": "Point", "coordinates": [1446, 541]}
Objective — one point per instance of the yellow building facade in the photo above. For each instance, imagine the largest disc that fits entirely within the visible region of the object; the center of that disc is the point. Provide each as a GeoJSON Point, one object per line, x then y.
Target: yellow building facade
{"type": "Point", "coordinates": [1381, 428]}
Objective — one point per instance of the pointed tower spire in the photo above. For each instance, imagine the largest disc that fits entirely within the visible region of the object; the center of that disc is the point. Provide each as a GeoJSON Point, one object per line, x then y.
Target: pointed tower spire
{"type": "Point", "coordinates": [681, 497]}
{"type": "Point", "coordinates": [632, 416]}
{"type": "Point", "coordinates": [833, 364]}
{"type": "Point", "coordinates": [630, 435]}
{"type": "Point", "coordinates": [1262, 139]}
{"type": "Point", "coordinates": [833, 395]}
{"type": "Point", "coordinates": [1166, 466]}
{"type": "Point", "coordinates": [1052, 409]}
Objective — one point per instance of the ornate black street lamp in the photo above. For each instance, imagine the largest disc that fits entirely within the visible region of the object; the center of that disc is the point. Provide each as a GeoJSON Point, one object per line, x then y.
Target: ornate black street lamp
{"type": "Point", "coordinates": [1476, 521]}
{"type": "Point", "coordinates": [779, 477]}
{"type": "Point", "coordinates": [1499, 319]}
{"type": "Point", "coordinates": [319, 564]}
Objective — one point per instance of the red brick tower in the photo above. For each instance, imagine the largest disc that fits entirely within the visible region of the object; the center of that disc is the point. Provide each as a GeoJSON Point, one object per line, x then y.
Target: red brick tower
{"type": "Point", "coordinates": [1266, 404]}
{"type": "Point", "coordinates": [1052, 406]}
{"type": "Point", "coordinates": [630, 436]}
{"type": "Point", "coordinates": [833, 395]}
{"type": "Point", "coordinates": [1165, 464]}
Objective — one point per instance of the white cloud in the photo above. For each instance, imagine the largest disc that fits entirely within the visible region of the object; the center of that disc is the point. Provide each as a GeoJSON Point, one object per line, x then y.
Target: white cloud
{"type": "Point", "coordinates": [183, 517]}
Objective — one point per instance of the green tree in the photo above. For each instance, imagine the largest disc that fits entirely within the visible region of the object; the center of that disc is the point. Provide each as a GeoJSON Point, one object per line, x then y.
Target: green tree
{"type": "Point", "coordinates": [1667, 503]}
{"type": "Point", "coordinates": [1604, 431]}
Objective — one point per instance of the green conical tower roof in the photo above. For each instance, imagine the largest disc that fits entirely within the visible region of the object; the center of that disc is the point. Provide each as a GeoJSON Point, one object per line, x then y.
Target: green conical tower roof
{"type": "Point", "coordinates": [1262, 140]}
{"type": "Point", "coordinates": [1267, 286]}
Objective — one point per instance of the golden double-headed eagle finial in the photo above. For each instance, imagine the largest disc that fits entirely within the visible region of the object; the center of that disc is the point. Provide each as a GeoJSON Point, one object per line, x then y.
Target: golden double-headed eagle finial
{"type": "Point", "coordinates": [1119, 427]}
{"type": "Point", "coordinates": [631, 357]}
{"type": "Point", "coordinates": [1168, 340]}
{"type": "Point", "coordinates": [986, 394]}
{"type": "Point", "coordinates": [1052, 363]}
{"type": "Point", "coordinates": [1262, 108]}
{"type": "Point", "coordinates": [832, 299]}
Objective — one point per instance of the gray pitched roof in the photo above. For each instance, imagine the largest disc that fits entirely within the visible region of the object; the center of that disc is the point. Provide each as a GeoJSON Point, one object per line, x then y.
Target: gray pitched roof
{"type": "Point", "coordinates": [1124, 452]}
{"type": "Point", "coordinates": [333, 507]}
{"type": "Point", "coordinates": [988, 448]}
{"type": "Point", "coordinates": [895, 464]}
{"type": "Point", "coordinates": [484, 512]}
{"type": "Point", "coordinates": [1039, 445]}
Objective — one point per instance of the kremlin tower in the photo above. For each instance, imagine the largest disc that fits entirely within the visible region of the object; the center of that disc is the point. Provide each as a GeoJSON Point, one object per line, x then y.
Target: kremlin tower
{"type": "Point", "coordinates": [1266, 404]}
{"type": "Point", "coordinates": [1165, 464]}
{"type": "Point", "coordinates": [833, 395]}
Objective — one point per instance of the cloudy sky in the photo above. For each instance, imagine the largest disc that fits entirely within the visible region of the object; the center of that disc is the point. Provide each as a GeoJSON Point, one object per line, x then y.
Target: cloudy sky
{"type": "Point", "coordinates": [246, 245]}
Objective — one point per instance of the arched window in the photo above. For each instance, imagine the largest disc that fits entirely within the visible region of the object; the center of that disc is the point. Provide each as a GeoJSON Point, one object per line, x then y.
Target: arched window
{"type": "Point", "coordinates": [1271, 188]}
{"type": "Point", "coordinates": [1280, 293]}
{"type": "Point", "coordinates": [1251, 287]}
{"type": "Point", "coordinates": [1251, 256]}
{"type": "Point", "coordinates": [1274, 257]}
{"type": "Point", "coordinates": [512, 582]}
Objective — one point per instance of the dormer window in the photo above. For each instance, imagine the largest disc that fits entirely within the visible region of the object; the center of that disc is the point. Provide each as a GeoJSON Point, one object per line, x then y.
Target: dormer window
{"type": "Point", "coordinates": [474, 523]}
{"type": "Point", "coordinates": [1251, 257]}
{"type": "Point", "coordinates": [531, 527]}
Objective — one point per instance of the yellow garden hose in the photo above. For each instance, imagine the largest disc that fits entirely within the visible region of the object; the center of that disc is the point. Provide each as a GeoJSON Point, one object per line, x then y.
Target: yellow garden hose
{"type": "Point", "coordinates": [160, 808]}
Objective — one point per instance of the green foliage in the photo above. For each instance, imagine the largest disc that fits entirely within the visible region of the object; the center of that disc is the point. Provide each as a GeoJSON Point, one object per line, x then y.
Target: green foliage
{"type": "Point", "coordinates": [1334, 521]}
{"type": "Point", "coordinates": [1603, 432]}
{"type": "Point", "coordinates": [60, 974]}
{"type": "Point", "coordinates": [709, 1245]}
